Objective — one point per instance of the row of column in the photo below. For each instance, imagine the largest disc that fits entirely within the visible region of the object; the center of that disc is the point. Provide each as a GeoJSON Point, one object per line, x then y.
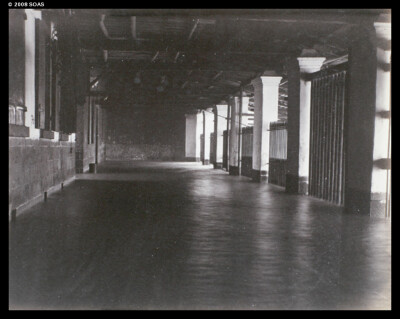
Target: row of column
{"type": "Point", "coordinates": [30, 98]}
{"type": "Point", "coordinates": [367, 129]}
{"type": "Point", "coordinates": [266, 97]}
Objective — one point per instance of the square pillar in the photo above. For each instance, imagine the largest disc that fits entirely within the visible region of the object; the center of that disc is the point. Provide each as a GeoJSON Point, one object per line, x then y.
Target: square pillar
{"type": "Point", "coordinates": [266, 97]}
{"type": "Point", "coordinates": [364, 102]}
{"type": "Point", "coordinates": [199, 131]}
{"type": "Point", "coordinates": [299, 113]}
{"type": "Point", "coordinates": [246, 114]}
{"type": "Point", "coordinates": [191, 138]}
{"type": "Point", "coordinates": [31, 16]}
{"type": "Point", "coordinates": [234, 136]}
{"type": "Point", "coordinates": [208, 127]}
{"type": "Point", "coordinates": [220, 125]}
{"type": "Point", "coordinates": [381, 183]}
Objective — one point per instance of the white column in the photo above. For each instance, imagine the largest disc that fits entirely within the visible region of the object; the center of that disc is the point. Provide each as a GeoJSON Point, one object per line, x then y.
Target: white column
{"type": "Point", "coordinates": [266, 97]}
{"type": "Point", "coordinates": [31, 15]}
{"type": "Point", "coordinates": [382, 129]}
{"type": "Point", "coordinates": [234, 137]}
{"type": "Point", "coordinates": [245, 111]}
{"type": "Point", "coordinates": [190, 137]}
{"type": "Point", "coordinates": [208, 126]}
{"type": "Point", "coordinates": [220, 125]}
{"type": "Point", "coordinates": [307, 65]}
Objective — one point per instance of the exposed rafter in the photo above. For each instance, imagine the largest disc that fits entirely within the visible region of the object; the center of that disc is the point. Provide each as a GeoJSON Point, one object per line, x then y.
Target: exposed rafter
{"type": "Point", "coordinates": [207, 55]}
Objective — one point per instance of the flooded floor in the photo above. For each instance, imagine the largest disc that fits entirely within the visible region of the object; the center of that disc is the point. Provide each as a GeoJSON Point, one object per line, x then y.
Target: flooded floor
{"type": "Point", "coordinates": [148, 235]}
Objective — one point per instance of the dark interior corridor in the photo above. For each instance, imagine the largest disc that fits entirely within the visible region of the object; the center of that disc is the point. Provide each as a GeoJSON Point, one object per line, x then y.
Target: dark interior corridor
{"type": "Point", "coordinates": [199, 159]}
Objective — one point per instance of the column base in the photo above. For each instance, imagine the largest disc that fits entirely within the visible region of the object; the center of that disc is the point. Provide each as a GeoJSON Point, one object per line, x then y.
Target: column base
{"type": "Point", "coordinates": [357, 202]}
{"type": "Point", "coordinates": [296, 184]}
{"type": "Point", "coordinates": [365, 203]}
{"type": "Point", "coordinates": [92, 168]}
{"type": "Point", "coordinates": [234, 170]}
{"type": "Point", "coordinates": [292, 183]}
{"type": "Point", "coordinates": [378, 205]}
{"type": "Point", "coordinates": [259, 176]}
{"type": "Point", "coordinates": [206, 162]}
{"type": "Point", "coordinates": [303, 185]}
{"type": "Point", "coordinates": [217, 165]}
{"type": "Point", "coordinates": [192, 159]}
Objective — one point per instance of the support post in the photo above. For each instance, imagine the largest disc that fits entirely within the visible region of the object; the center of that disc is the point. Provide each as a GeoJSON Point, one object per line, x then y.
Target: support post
{"type": "Point", "coordinates": [266, 97]}
{"type": "Point", "coordinates": [220, 125]}
{"type": "Point", "coordinates": [30, 70]}
{"type": "Point", "coordinates": [299, 113]}
{"type": "Point", "coordinates": [240, 131]}
{"type": "Point", "coordinates": [234, 137]}
{"type": "Point", "coordinates": [199, 131]}
{"type": "Point", "coordinates": [381, 170]}
{"type": "Point", "coordinates": [208, 126]}
{"type": "Point", "coordinates": [368, 99]}
{"type": "Point", "coordinates": [191, 138]}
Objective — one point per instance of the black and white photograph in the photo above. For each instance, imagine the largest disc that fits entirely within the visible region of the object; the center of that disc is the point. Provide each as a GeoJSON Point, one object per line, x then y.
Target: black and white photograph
{"type": "Point", "coordinates": [199, 158]}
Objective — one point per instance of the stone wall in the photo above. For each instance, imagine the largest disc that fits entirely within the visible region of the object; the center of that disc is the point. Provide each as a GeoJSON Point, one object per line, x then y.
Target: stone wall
{"type": "Point", "coordinates": [145, 134]}
{"type": "Point", "coordinates": [139, 152]}
{"type": "Point", "coordinates": [37, 165]}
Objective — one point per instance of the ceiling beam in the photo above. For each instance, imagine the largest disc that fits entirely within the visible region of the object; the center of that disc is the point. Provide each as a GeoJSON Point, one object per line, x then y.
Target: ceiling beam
{"type": "Point", "coordinates": [193, 29]}
{"type": "Point", "coordinates": [155, 56]}
{"type": "Point", "coordinates": [217, 75]}
{"type": "Point", "coordinates": [98, 44]}
{"type": "Point", "coordinates": [176, 56]}
{"type": "Point", "coordinates": [105, 31]}
{"type": "Point", "coordinates": [177, 67]}
{"type": "Point", "coordinates": [133, 27]}
{"type": "Point", "coordinates": [276, 15]}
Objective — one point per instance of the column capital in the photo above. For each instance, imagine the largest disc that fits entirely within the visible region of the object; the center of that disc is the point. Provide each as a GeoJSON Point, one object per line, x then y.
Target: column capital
{"type": "Point", "coordinates": [383, 30]}
{"type": "Point", "coordinates": [33, 14]}
{"type": "Point", "coordinates": [310, 64]}
{"type": "Point", "coordinates": [266, 81]}
{"type": "Point", "coordinates": [220, 107]}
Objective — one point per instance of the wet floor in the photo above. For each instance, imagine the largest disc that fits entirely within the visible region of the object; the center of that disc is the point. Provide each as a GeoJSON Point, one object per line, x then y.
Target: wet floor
{"type": "Point", "coordinates": [147, 235]}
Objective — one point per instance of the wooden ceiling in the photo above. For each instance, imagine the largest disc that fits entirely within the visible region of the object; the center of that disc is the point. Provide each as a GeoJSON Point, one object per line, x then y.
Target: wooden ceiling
{"type": "Point", "coordinates": [186, 58]}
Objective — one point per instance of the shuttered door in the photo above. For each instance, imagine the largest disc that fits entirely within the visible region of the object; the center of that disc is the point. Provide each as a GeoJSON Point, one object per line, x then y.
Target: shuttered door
{"type": "Point", "coordinates": [326, 175]}
{"type": "Point", "coordinates": [212, 148]}
{"type": "Point", "coordinates": [247, 151]}
{"type": "Point", "coordinates": [225, 151]}
{"type": "Point", "coordinates": [277, 153]}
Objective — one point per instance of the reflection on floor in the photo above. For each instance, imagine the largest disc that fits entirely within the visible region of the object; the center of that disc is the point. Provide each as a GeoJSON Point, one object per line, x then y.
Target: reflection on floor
{"type": "Point", "coordinates": [147, 235]}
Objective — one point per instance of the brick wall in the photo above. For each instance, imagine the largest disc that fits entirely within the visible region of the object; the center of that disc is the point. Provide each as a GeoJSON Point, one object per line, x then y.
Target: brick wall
{"type": "Point", "coordinates": [37, 165]}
